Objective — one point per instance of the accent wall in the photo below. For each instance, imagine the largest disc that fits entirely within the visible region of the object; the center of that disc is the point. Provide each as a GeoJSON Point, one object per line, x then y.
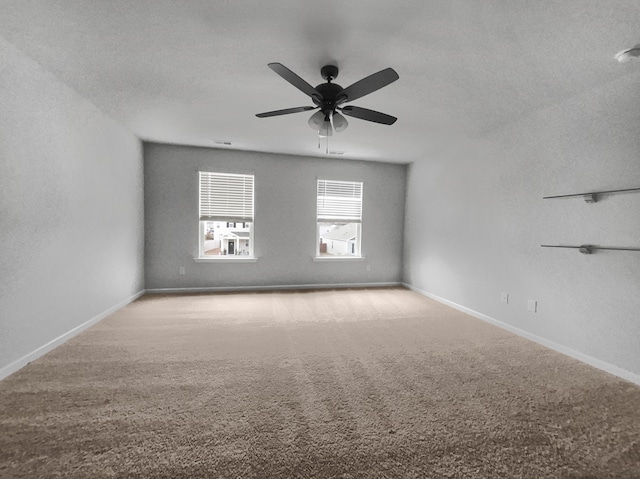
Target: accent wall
{"type": "Point", "coordinates": [285, 220]}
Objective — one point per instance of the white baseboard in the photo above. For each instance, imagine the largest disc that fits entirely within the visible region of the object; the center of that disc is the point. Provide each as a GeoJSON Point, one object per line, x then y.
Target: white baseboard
{"type": "Point", "coordinates": [272, 287]}
{"type": "Point", "coordinates": [54, 343]}
{"type": "Point", "coordinates": [597, 363]}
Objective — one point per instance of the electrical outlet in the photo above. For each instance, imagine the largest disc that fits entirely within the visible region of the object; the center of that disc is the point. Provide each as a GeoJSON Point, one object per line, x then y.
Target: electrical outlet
{"type": "Point", "coordinates": [368, 267]}
{"type": "Point", "coordinates": [532, 306]}
{"type": "Point", "coordinates": [181, 270]}
{"type": "Point", "coordinates": [504, 297]}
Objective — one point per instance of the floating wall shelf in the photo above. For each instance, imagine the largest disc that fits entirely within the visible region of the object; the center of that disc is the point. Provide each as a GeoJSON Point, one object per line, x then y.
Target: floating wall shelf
{"type": "Point", "coordinates": [592, 197]}
{"type": "Point", "coordinates": [588, 248]}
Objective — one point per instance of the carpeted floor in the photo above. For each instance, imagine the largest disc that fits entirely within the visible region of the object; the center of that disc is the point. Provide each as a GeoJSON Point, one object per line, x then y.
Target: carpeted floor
{"type": "Point", "coordinates": [367, 383]}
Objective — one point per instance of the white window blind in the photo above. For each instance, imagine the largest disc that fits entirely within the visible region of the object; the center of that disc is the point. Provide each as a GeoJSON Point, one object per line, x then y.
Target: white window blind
{"type": "Point", "coordinates": [339, 201]}
{"type": "Point", "coordinates": [226, 197]}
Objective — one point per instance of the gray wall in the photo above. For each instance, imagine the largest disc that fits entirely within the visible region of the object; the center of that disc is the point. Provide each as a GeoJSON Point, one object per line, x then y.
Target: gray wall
{"type": "Point", "coordinates": [476, 217]}
{"type": "Point", "coordinates": [285, 219]}
{"type": "Point", "coordinates": [71, 218]}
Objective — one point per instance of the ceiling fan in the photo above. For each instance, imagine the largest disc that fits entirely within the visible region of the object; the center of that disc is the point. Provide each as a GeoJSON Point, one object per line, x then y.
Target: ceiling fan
{"type": "Point", "coordinates": [329, 98]}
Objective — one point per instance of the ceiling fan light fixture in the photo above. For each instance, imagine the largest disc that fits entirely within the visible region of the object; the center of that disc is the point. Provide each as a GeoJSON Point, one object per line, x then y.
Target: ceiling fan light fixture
{"type": "Point", "coordinates": [316, 120]}
{"type": "Point", "coordinates": [629, 54]}
{"type": "Point", "coordinates": [340, 123]}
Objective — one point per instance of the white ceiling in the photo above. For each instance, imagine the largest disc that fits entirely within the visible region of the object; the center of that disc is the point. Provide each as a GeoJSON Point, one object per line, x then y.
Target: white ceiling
{"type": "Point", "coordinates": [192, 72]}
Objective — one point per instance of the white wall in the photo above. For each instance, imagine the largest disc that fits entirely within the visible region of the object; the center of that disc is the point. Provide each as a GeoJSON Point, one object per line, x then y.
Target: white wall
{"type": "Point", "coordinates": [475, 221]}
{"type": "Point", "coordinates": [285, 219]}
{"type": "Point", "coordinates": [71, 217]}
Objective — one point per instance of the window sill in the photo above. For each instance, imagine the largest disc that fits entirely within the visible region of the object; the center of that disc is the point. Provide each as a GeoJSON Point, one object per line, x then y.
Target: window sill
{"type": "Point", "coordinates": [332, 259]}
{"type": "Point", "coordinates": [226, 259]}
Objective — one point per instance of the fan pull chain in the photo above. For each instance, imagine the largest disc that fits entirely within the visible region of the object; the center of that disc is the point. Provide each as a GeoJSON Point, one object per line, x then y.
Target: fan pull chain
{"type": "Point", "coordinates": [326, 151]}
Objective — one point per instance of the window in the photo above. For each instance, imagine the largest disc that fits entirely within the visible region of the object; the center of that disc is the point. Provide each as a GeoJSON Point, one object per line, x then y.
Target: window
{"type": "Point", "coordinates": [339, 218]}
{"type": "Point", "coordinates": [226, 215]}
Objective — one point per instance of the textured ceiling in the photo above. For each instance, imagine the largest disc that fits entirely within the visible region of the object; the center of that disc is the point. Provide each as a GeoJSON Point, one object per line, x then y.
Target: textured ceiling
{"type": "Point", "coordinates": [192, 72]}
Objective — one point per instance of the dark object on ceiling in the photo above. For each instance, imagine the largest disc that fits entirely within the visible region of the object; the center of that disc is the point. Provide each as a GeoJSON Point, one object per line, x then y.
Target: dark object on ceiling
{"type": "Point", "coordinates": [329, 98]}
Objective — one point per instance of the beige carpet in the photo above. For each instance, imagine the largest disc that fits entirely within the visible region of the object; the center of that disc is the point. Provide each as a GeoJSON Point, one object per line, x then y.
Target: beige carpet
{"type": "Point", "coordinates": [371, 383]}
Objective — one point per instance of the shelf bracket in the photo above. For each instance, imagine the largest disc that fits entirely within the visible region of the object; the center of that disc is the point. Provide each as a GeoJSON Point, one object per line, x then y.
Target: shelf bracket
{"type": "Point", "coordinates": [586, 249]}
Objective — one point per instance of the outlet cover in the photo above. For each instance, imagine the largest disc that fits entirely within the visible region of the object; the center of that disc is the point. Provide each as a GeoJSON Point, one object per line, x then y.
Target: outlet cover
{"type": "Point", "coordinates": [532, 306]}
{"type": "Point", "coordinates": [504, 297]}
{"type": "Point", "coordinates": [181, 270]}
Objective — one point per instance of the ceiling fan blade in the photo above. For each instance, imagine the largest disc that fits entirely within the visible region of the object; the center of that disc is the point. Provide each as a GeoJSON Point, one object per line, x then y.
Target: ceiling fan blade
{"type": "Point", "coordinates": [286, 111]}
{"type": "Point", "coordinates": [369, 115]}
{"type": "Point", "coordinates": [370, 84]}
{"type": "Point", "coordinates": [294, 79]}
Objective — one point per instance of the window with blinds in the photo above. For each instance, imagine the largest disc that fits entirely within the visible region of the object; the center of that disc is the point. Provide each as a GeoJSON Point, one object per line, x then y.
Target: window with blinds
{"type": "Point", "coordinates": [339, 218]}
{"type": "Point", "coordinates": [339, 201]}
{"type": "Point", "coordinates": [226, 197]}
{"type": "Point", "coordinates": [226, 215]}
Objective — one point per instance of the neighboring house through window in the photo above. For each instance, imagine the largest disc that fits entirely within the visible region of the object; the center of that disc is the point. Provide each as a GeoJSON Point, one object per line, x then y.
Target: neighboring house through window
{"type": "Point", "coordinates": [226, 215]}
{"type": "Point", "coordinates": [339, 218]}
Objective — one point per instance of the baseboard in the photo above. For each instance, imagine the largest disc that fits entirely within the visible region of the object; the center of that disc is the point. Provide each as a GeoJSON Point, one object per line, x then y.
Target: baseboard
{"type": "Point", "coordinates": [42, 350]}
{"type": "Point", "coordinates": [273, 287]}
{"type": "Point", "coordinates": [597, 363]}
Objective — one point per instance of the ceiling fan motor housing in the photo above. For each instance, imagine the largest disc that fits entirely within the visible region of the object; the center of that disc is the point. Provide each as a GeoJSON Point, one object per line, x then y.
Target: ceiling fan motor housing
{"type": "Point", "coordinates": [330, 97]}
